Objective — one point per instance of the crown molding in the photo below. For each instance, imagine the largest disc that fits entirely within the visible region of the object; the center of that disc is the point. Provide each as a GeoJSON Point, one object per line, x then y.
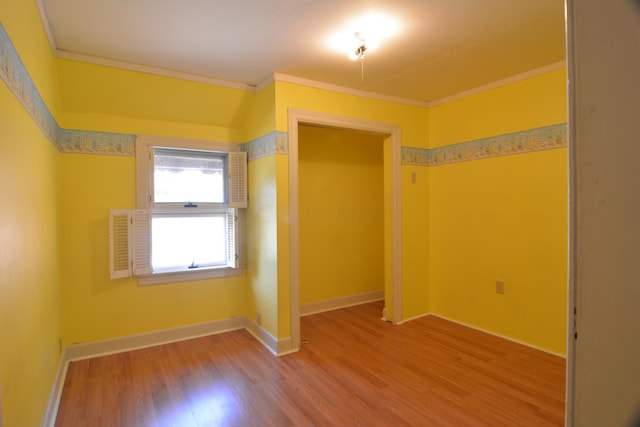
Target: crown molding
{"type": "Point", "coordinates": [279, 77]}
{"type": "Point", "coordinates": [152, 70]}
{"type": "Point", "coordinates": [45, 25]}
{"type": "Point", "coordinates": [499, 83]}
{"type": "Point", "coordinates": [264, 83]}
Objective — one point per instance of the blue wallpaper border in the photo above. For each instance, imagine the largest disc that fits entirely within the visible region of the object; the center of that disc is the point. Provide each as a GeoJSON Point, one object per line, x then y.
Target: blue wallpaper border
{"type": "Point", "coordinates": [527, 141]}
{"type": "Point", "coordinates": [89, 142]}
{"type": "Point", "coordinates": [15, 76]}
{"type": "Point", "coordinates": [272, 143]}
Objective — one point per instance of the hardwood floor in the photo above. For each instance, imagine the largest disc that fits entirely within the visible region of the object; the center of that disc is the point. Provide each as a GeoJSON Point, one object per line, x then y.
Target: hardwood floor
{"type": "Point", "coordinates": [355, 370]}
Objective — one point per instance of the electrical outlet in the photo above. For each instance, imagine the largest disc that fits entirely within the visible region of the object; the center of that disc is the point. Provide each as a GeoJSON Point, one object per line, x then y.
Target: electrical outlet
{"type": "Point", "coordinates": [259, 319]}
{"type": "Point", "coordinates": [500, 286]}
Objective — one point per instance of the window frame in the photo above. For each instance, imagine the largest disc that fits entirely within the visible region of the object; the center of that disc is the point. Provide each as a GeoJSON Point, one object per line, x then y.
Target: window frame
{"type": "Point", "coordinates": [212, 154]}
{"type": "Point", "coordinates": [144, 200]}
{"type": "Point", "coordinates": [221, 213]}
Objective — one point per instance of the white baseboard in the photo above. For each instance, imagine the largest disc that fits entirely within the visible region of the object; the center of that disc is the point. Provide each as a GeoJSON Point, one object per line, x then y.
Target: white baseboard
{"type": "Point", "coordinates": [277, 347]}
{"type": "Point", "coordinates": [262, 335]}
{"type": "Point", "coordinates": [526, 344]}
{"type": "Point", "coordinates": [150, 339]}
{"type": "Point", "coordinates": [486, 332]}
{"type": "Point", "coordinates": [417, 317]}
{"type": "Point", "coordinates": [128, 343]}
{"type": "Point", "coordinates": [341, 302]}
{"type": "Point", "coordinates": [285, 347]}
{"type": "Point", "coordinates": [56, 393]}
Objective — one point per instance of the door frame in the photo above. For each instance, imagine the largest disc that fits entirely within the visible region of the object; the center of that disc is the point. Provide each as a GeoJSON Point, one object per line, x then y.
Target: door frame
{"type": "Point", "coordinates": [393, 136]}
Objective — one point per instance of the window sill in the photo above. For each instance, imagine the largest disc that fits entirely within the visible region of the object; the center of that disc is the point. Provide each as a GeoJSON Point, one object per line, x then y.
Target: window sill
{"type": "Point", "coordinates": [188, 276]}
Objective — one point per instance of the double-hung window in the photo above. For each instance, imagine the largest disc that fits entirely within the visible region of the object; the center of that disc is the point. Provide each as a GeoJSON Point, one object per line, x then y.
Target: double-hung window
{"type": "Point", "coordinates": [187, 225]}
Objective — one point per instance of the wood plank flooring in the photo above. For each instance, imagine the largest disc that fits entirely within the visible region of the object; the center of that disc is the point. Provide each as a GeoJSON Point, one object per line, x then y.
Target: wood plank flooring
{"type": "Point", "coordinates": [355, 370]}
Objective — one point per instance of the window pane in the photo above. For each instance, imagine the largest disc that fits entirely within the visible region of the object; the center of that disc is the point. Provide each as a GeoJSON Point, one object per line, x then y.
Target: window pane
{"type": "Point", "coordinates": [180, 242]}
{"type": "Point", "coordinates": [182, 176]}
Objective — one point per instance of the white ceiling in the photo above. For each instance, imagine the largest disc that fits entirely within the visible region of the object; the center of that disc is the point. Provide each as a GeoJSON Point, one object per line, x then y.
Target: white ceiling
{"type": "Point", "coordinates": [441, 48]}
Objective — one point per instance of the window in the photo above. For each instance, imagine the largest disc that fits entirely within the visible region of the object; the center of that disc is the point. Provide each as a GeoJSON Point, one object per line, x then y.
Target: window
{"type": "Point", "coordinates": [189, 193]}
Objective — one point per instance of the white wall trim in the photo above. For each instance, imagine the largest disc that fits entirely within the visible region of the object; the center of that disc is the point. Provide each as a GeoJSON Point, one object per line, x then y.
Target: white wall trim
{"type": "Point", "coordinates": [277, 347]}
{"type": "Point", "coordinates": [572, 291]}
{"type": "Point", "coordinates": [499, 83]}
{"type": "Point", "coordinates": [264, 83]}
{"type": "Point", "coordinates": [420, 316]}
{"type": "Point", "coordinates": [526, 344]}
{"type": "Point", "coordinates": [93, 349]}
{"type": "Point", "coordinates": [285, 347]}
{"type": "Point", "coordinates": [150, 339]}
{"type": "Point", "coordinates": [340, 302]}
{"type": "Point", "coordinates": [278, 77]}
{"type": "Point", "coordinates": [152, 70]}
{"type": "Point", "coordinates": [393, 134]}
{"type": "Point", "coordinates": [45, 25]}
{"type": "Point", "coordinates": [56, 393]}
{"type": "Point", "coordinates": [262, 335]}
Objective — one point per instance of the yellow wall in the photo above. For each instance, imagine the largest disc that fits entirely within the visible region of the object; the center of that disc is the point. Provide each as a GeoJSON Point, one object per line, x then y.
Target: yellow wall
{"type": "Point", "coordinates": [97, 90]}
{"type": "Point", "coordinates": [464, 225]}
{"type": "Point", "coordinates": [262, 243]}
{"type": "Point", "coordinates": [261, 225]}
{"type": "Point", "coordinates": [414, 120]}
{"type": "Point", "coordinates": [110, 100]}
{"type": "Point", "coordinates": [282, 214]}
{"type": "Point", "coordinates": [106, 99]}
{"type": "Point", "coordinates": [29, 287]}
{"type": "Point", "coordinates": [414, 123]}
{"type": "Point", "coordinates": [526, 104]}
{"type": "Point", "coordinates": [260, 118]}
{"type": "Point", "coordinates": [416, 262]}
{"type": "Point", "coordinates": [341, 215]}
{"type": "Point", "coordinates": [21, 21]}
{"type": "Point", "coordinates": [503, 218]}
{"type": "Point", "coordinates": [97, 307]}
{"type": "Point", "coordinates": [486, 114]}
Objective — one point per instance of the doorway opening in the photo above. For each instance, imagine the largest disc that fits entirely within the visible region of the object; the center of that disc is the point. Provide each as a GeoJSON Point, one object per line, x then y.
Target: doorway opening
{"type": "Point", "coordinates": [391, 136]}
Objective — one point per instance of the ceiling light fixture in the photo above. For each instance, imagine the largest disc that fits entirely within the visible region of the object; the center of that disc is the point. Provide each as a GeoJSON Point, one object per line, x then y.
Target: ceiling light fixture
{"type": "Point", "coordinates": [361, 48]}
{"type": "Point", "coordinates": [358, 52]}
{"type": "Point", "coordinates": [363, 35]}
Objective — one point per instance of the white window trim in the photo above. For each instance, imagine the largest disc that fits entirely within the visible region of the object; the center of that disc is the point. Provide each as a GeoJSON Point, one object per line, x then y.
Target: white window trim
{"type": "Point", "coordinates": [188, 276]}
{"type": "Point", "coordinates": [143, 186]}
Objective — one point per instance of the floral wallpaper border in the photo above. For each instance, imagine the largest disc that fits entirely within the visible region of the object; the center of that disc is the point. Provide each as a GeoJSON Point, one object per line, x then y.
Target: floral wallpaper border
{"type": "Point", "coordinates": [527, 141]}
{"type": "Point", "coordinates": [14, 74]}
{"type": "Point", "coordinates": [267, 145]}
{"type": "Point", "coordinates": [89, 142]}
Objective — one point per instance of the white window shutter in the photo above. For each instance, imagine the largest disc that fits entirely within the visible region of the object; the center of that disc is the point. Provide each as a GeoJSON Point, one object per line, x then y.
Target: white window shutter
{"type": "Point", "coordinates": [232, 229]}
{"type": "Point", "coordinates": [130, 242]}
{"type": "Point", "coordinates": [141, 242]}
{"type": "Point", "coordinates": [119, 241]}
{"type": "Point", "coordinates": [237, 179]}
